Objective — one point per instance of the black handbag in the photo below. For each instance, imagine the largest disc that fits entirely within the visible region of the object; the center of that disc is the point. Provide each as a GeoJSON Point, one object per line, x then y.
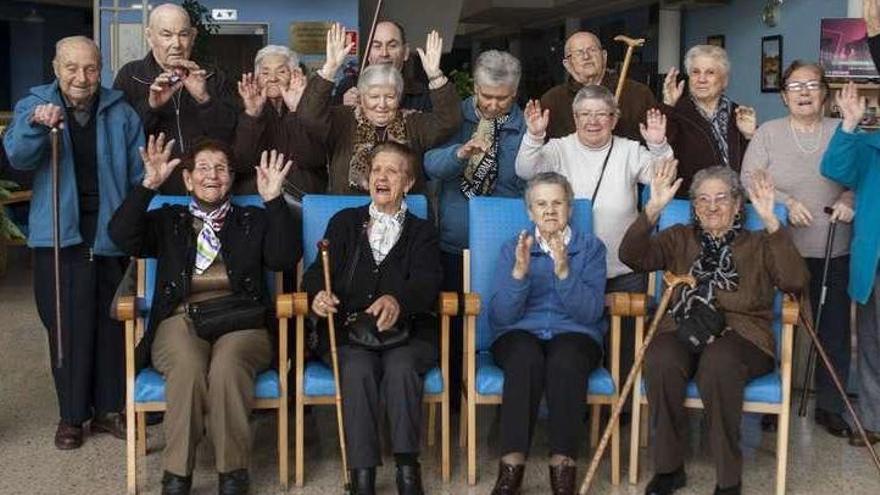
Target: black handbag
{"type": "Point", "coordinates": [216, 317]}
{"type": "Point", "coordinates": [701, 327]}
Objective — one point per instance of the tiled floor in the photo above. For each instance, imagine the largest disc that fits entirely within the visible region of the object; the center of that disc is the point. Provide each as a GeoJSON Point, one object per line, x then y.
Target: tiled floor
{"type": "Point", "coordinates": [29, 463]}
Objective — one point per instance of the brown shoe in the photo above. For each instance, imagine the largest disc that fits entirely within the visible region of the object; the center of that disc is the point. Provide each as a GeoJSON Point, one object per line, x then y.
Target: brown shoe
{"type": "Point", "coordinates": [856, 440]}
{"type": "Point", "coordinates": [112, 423]}
{"type": "Point", "coordinates": [68, 437]}
{"type": "Point", "coordinates": [510, 478]}
{"type": "Point", "coordinates": [562, 479]}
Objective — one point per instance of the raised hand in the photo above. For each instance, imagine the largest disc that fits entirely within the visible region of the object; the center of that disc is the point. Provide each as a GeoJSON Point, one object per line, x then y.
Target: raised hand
{"type": "Point", "coordinates": [851, 105]}
{"type": "Point", "coordinates": [471, 148]}
{"type": "Point", "coordinates": [762, 193]}
{"type": "Point", "coordinates": [252, 96]}
{"type": "Point", "coordinates": [523, 254]}
{"type": "Point", "coordinates": [337, 49]}
{"type": "Point", "coordinates": [162, 88]}
{"type": "Point", "coordinates": [351, 97]}
{"type": "Point", "coordinates": [157, 163]}
{"type": "Point", "coordinates": [798, 214]}
{"type": "Point", "coordinates": [655, 130]}
{"type": "Point", "coordinates": [271, 173]}
{"type": "Point", "coordinates": [746, 121]}
{"type": "Point", "coordinates": [431, 55]}
{"type": "Point", "coordinates": [672, 88]}
{"type": "Point", "coordinates": [324, 303]}
{"type": "Point", "coordinates": [386, 309]}
{"type": "Point", "coordinates": [872, 16]}
{"type": "Point", "coordinates": [49, 115]}
{"type": "Point", "coordinates": [560, 255]}
{"type": "Point", "coordinates": [292, 94]}
{"type": "Point", "coordinates": [664, 185]}
{"type": "Point", "coordinates": [195, 81]}
{"type": "Point", "coordinates": [537, 120]}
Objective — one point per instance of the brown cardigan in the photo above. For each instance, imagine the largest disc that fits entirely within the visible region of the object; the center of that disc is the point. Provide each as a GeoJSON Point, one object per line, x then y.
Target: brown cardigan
{"type": "Point", "coordinates": [635, 101]}
{"type": "Point", "coordinates": [763, 261]}
{"type": "Point", "coordinates": [335, 127]}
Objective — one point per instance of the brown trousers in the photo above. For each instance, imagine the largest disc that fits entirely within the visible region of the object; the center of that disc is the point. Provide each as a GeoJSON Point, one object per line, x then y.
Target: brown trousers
{"type": "Point", "coordinates": [722, 372]}
{"type": "Point", "coordinates": [214, 381]}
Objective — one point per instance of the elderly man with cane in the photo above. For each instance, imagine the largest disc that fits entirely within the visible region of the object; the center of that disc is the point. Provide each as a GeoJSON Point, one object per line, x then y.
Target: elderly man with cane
{"type": "Point", "coordinates": [89, 172]}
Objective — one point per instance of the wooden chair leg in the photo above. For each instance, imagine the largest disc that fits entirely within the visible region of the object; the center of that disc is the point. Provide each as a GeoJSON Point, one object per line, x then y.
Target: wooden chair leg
{"type": "Point", "coordinates": [782, 450]}
{"type": "Point", "coordinates": [445, 462]}
{"type": "Point", "coordinates": [472, 441]}
{"type": "Point", "coordinates": [298, 470]}
{"type": "Point", "coordinates": [462, 422]}
{"type": "Point", "coordinates": [595, 413]}
{"type": "Point", "coordinates": [645, 427]}
{"type": "Point", "coordinates": [432, 422]}
{"type": "Point", "coordinates": [634, 434]}
{"type": "Point", "coordinates": [130, 449]}
{"type": "Point", "coordinates": [615, 453]}
{"type": "Point", "coordinates": [142, 434]}
{"type": "Point", "coordinates": [283, 444]}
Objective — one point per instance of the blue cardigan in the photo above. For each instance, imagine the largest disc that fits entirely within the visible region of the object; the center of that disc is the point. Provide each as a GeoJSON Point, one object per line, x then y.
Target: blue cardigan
{"type": "Point", "coordinates": [119, 132]}
{"type": "Point", "coordinates": [442, 165]}
{"type": "Point", "coordinates": [544, 305]}
{"type": "Point", "coordinates": [853, 160]}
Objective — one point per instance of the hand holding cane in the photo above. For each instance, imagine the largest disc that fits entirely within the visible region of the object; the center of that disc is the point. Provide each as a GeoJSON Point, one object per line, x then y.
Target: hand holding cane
{"type": "Point", "coordinates": [631, 45]}
{"type": "Point", "coordinates": [324, 247]}
{"type": "Point", "coordinates": [56, 246]}
{"type": "Point", "coordinates": [672, 281]}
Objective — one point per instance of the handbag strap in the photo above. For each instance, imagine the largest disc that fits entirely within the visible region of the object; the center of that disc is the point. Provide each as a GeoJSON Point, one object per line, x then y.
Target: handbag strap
{"type": "Point", "coordinates": [602, 173]}
{"type": "Point", "coordinates": [353, 261]}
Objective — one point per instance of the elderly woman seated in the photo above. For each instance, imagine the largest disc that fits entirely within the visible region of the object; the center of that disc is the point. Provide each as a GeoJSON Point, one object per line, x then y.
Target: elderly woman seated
{"type": "Point", "coordinates": [718, 331]}
{"type": "Point", "coordinates": [270, 97]}
{"type": "Point", "coordinates": [211, 255]}
{"type": "Point", "coordinates": [385, 272]}
{"type": "Point", "coordinates": [546, 309]}
{"type": "Point", "coordinates": [350, 133]}
{"type": "Point", "coordinates": [705, 128]}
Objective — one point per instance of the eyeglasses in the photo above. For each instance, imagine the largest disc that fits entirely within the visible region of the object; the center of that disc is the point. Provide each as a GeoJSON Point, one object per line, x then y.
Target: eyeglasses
{"type": "Point", "coordinates": [582, 53]}
{"type": "Point", "coordinates": [705, 201]}
{"type": "Point", "coordinates": [598, 116]}
{"type": "Point", "coordinates": [205, 169]}
{"type": "Point", "coordinates": [797, 86]}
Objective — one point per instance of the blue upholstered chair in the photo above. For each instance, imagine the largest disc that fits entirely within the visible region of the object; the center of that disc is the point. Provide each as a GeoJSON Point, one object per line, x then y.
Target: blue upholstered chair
{"type": "Point", "coordinates": [314, 379]}
{"type": "Point", "coordinates": [494, 221]}
{"type": "Point", "coordinates": [145, 389]}
{"type": "Point", "coordinates": [768, 394]}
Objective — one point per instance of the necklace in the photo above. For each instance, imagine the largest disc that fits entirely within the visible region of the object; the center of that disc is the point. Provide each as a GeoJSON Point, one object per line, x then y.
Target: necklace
{"type": "Point", "coordinates": [805, 147]}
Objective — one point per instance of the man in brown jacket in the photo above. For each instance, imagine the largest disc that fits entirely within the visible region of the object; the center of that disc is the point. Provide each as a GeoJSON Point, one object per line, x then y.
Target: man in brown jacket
{"type": "Point", "coordinates": [586, 62]}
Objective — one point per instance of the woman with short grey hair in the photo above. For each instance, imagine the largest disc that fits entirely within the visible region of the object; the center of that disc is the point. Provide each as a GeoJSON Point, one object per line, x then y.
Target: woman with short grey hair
{"type": "Point", "coordinates": [380, 75]}
{"type": "Point", "coordinates": [276, 51]}
{"type": "Point", "coordinates": [705, 128]}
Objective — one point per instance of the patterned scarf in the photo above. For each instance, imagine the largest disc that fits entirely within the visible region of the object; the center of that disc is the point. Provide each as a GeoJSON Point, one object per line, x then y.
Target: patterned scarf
{"type": "Point", "coordinates": [720, 123]}
{"type": "Point", "coordinates": [366, 137]}
{"type": "Point", "coordinates": [714, 269]}
{"type": "Point", "coordinates": [482, 168]}
{"type": "Point", "coordinates": [385, 229]}
{"type": "Point", "coordinates": [208, 244]}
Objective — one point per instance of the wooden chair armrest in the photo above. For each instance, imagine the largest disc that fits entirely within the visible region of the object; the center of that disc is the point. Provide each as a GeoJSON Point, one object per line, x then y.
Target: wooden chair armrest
{"type": "Point", "coordinates": [627, 303]}
{"type": "Point", "coordinates": [790, 309]}
{"type": "Point", "coordinates": [291, 305]}
{"type": "Point", "coordinates": [472, 304]}
{"type": "Point", "coordinates": [126, 308]}
{"type": "Point", "coordinates": [448, 304]}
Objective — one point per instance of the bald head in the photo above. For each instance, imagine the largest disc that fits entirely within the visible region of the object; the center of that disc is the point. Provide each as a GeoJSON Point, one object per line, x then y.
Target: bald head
{"type": "Point", "coordinates": [77, 66]}
{"type": "Point", "coordinates": [170, 35]}
{"type": "Point", "coordinates": [585, 60]}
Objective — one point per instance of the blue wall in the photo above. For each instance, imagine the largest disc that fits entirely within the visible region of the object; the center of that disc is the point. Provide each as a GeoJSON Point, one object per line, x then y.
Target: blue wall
{"type": "Point", "coordinates": [740, 23]}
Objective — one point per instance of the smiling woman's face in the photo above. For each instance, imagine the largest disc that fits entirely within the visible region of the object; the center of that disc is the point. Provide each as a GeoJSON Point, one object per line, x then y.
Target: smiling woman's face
{"type": "Point", "coordinates": [210, 179]}
{"type": "Point", "coordinates": [807, 100]}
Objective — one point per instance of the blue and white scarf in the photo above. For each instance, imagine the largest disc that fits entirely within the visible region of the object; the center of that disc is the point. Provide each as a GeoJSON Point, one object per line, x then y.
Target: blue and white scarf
{"type": "Point", "coordinates": [720, 124]}
{"type": "Point", "coordinates": [207, 243]}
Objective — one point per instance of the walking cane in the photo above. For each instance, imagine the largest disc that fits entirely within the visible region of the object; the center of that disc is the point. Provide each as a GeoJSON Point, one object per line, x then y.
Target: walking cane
{"type": "Point", "coordinates": [56, 248]}
{"type": "Point", "coordinates": [324, 247]}
{"type": "Point", "coordinates": [370, 37]}
{"type": "Point", "coordinates": [672, 281]}
{"type": "Point", "coordinates": [631, 45]}
{"type": "Point", "coordinates": [817, 345]}
{"type": "Point", "coordinates": [810, 370]}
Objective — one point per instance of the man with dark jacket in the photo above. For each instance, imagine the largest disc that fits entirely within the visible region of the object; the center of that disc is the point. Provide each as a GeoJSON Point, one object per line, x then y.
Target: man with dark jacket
{"type": "Point", "coordinates": [98, 165]}
{"type": "Point", "coordinates": [173, 94]}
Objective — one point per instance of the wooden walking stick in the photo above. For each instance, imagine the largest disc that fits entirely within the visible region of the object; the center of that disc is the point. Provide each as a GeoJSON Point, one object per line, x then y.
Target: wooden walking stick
{"type": "Point", "coordinates": [56, 247]}
{"type": "Point", "coordinates": [631, 45]}
{"type": "Point", "coordinates": [370, 37]}
{"type": "Point", "coordinates": [672, 281]}
{"type": "Point", "coordinates": [324, 248]}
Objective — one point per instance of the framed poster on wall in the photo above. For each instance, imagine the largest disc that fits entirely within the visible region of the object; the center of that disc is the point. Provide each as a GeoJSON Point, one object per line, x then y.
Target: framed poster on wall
{"type": "Point", "coordinates": [771, 64]}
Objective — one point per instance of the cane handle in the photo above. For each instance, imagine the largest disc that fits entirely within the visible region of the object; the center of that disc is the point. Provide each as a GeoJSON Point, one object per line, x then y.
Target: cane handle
{"type": "Point", "coordinates": [630, 42]}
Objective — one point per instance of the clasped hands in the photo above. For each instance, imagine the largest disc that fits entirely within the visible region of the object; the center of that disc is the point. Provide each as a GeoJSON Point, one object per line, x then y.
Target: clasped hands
{"type": "Point", "coordinates": [523, 252]}
{"type": "Point", "coordinates": [386, 309]}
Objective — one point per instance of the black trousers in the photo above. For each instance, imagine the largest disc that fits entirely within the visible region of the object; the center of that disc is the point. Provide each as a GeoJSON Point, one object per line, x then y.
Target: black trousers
{"type": "Point", "coordinates": [559, 368]}
{"type": "Point", "coordinates": [722, 371]}
{"type": "Point", "coordinates": [452, 282]}
{"type": "Point", "coordinates": [392, 377]}
{"type": "Point", "coordinates": [834, 329]}
{"type": "Point", "coordinates": [92, 377]}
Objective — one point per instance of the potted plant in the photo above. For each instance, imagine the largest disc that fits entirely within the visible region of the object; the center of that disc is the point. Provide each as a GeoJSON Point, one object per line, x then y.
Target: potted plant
{"type": "Point", "coordinates": [8, 230]}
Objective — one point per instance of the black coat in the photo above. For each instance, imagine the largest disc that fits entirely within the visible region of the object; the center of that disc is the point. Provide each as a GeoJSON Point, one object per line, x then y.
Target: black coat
{"type": "Point", "coordinates": [252, 240]}
{"type": "Point", "coordinates": [411, 271]}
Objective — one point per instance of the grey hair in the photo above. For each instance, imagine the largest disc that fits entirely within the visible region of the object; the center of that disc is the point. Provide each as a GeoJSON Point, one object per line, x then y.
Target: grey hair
{"type": "Point", "coordinates": [595, 92]}
{"type": "Point", "coordinates": [270, 50]}
{"type": "Point", "coordinates": [497, 68]}
{"type": "Point", "coordinates": [73, 40]}
{"type": "Point", "coordinates": [719, 172]}
{"type": "Point", "coordinates": [380, 75]}
{"type": "Point", "coordinates": [711, 51]}
{"type": "Point", "coordinates": [549, 178]}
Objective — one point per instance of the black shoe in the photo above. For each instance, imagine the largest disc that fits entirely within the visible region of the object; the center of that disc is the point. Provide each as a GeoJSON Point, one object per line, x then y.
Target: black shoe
{"type": "Point", "coordinates": [833, 423]}
{"type": "Point", "coordinates": [68, 437]}
{"type": "Point", "coordinates": [112, 423]}
{"type": "Point", "coordinates": [769, 423]}
{"type": "Point", "coordinates": [665, 484]}
{"type": "Point", "coordinates": [409, 480]}
{"type": "Point", "coordinates": [562, 479]}
{"type": "Point", "coordinates": [856, 440]}
{"type": "Point", "coordinates": [731, 490]}
{"type": "Point", "coordinates": [363, 481]}
{"type": "Point", "coordinates": [510, 478]}
{"type": "Point", "coordinates": [234, 483]}
{"type": "Point", "coordinates": [173, 484]}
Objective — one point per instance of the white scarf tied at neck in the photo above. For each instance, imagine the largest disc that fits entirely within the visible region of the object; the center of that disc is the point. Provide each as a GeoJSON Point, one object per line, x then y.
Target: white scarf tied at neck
{"type": "Point", "coordinates": [384, 231]}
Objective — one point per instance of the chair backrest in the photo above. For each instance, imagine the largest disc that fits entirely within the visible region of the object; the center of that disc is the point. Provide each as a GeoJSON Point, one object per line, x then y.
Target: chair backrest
{"type": "Point", "coordinates": [678, 211]}
{"type": "Point", "coordinates": [492, 222]}
{"type": "Point", "coordinates": [318, 209]}
{"type": "Point", "coordinates": [150, 263]}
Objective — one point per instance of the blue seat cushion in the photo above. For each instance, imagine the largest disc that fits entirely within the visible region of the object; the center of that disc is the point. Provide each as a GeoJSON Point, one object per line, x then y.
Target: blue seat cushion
{"type": "Point", "coordinates": [318, 380]}
{"type": "Point", "coordinates": [490, 378]}
{"type": "Point", "coordinates": [766, 389]}
{"type": "Point", "coordinates": [149, 385]}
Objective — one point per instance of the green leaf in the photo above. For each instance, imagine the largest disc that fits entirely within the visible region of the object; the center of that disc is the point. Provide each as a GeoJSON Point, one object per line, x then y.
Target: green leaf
{"type": "Point", "coordinates": [8, 229]}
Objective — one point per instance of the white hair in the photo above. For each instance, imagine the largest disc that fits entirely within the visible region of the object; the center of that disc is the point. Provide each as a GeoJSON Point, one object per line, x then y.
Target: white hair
{"type": "Point", "coordinates": [497, 68]}
{"type": "Point", "coordinates": [595, 92]}
{"type": "Point", "coordinates": [718, 54]}
{"type": "Point", "coordinates": [380, 75]}
{"type": "Point", "coordinates": [279, 50]}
